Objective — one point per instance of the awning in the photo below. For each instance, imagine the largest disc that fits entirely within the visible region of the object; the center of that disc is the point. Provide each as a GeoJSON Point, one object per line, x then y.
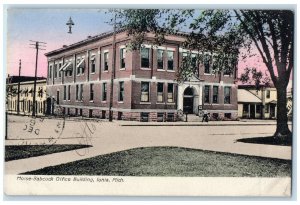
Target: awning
{"type": "Point", "coordinates": [69, 66]}
{"type": "Point", "coordinates": [93, 57]}
{"type": "Point", "coordinates": [80, 63]}
{"type": "Point", "coordinates": [248, 97]}
{"type": "Point", "coordinates": [63, 67]}
{"type": "Point", "coordinates": [272, 102]}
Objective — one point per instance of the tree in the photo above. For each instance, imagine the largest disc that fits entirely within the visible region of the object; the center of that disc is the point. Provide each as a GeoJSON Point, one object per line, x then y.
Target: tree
{"type": "Point", "coordinates": [224, 33]}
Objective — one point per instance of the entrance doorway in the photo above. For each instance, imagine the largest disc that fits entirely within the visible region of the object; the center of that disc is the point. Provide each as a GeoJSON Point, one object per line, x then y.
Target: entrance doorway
{"type": "Point", "coordinates": [188, 100]}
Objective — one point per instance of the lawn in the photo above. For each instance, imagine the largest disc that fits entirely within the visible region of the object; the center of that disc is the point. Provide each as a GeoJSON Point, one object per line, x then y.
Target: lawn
{"type": "Point", "coordinates": [172, 161]}
{"type": "Point", "coordinates": [14, 152]}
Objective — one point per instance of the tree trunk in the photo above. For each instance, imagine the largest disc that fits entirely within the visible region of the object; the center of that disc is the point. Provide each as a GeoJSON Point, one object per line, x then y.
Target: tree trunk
{"type": "Point", "coordinates": [282, 130]}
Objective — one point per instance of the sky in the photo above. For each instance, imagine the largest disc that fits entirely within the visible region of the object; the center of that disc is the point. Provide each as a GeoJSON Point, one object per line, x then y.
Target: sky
{"type": "Point", "coordinates": [49, 25]}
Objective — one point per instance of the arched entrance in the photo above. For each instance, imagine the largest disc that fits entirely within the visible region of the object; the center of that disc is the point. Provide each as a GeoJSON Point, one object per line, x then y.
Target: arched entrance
{"type": "Point", "coordinates": [188, 100]}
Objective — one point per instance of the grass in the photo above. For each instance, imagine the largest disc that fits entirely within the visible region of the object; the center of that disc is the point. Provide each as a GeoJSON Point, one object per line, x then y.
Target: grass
{"type": "Point", "coordinates": [266, 140]}
{"type": "Point", "coordinates": [172, 161]}
{"type": "Point", "coordinates": [15, 152]}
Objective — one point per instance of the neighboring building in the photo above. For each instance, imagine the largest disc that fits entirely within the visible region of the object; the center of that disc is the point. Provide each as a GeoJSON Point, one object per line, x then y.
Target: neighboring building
{"type": "Point", "coordinates": [253, 103]}
{"type": "Point", "coordinates": [26, 93]}
{"type": "Point", "coordinates": [144, 88]}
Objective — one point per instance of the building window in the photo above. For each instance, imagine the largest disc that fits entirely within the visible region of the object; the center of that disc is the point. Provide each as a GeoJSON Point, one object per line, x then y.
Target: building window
{"type": "Point", "coordinates": [91, 91]}
{"type": "Point", "coordinates": [122, 57]}
{"type": "Point", "coordinates": [170, 92]}
{"type": "Point", "coordinates": [227, 115]}
{"type": "Point", "coordinates": [206, 93]}
{"type": "Point", "coordinates": [59, 72]}
{"type": "Point", "coordinates": [65, 92]}
{"type": "Point", "coordinates": [80, 66]}
{"type": "Point", "coordinates": [268, 93]}
{"type": "Point", "coordinates": [121, 91]}
{"type": "Point", "coordinates": [258, 109]}
{"type": "Point", "coordinates": [160, 92]}
{"type": "Point", "coordinates": [50, 71]}
{"type": "Point", "coordinates": [55, 70]}
{"type": "Point", "coordinates": [93, 64]}
{"type": "Point", "coordinates": [193, 60]}
{"type": "Point", "coordinates": [170, 60]}
{"type": "Point", "coordinates": [106, 61]}
{"type": "Point", "coordinates": [144, 117]}
{"type": "Point", "coordinates": [206, 64]}
{"type": "Point", "coordinates": [145, 57]}
{"type": "Point", "coordinates": [145, 91]}
{"type": "Point", "coordinates": [160, 59]}
{"type": "Point", "coordinates": [227, 95]}
{"type": "Point", "coordinates": [267, 108]}
{"type": "Point", "coordinates": [104, 91]}
{"type": "Point", "coordinates": [81, 92]}
{"type": "Point", "coordinates": [215, 94]}
{"type": "Point", "coordinates": [69, 92]}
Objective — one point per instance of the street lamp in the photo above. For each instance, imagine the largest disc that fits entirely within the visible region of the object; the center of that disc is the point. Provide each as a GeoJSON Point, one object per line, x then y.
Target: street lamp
{"type": "Point", "coordinates": [70, 23]}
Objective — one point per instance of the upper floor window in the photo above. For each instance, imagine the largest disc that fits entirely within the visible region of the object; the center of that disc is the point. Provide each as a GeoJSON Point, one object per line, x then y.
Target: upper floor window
{"type": "Point", "coordinates": [268, 93]}
{"type": "Point", "coordinates": [55, 70]}
{"type": "Point", "coordinates": [93, 63]}
{"type": "Point", "coordinates": [59, 71]}
{"type": "Point", "coordinates": [106, 61]}
{"type": "Point", "coordinates": [160, 92]}
{"type": "Point", "coordinates": [145, 88]}
{"type": "Point", "coordinates": [50, 71]}
{"type": "Point", "coordinates": [206, 93]}
{"type": "Point", "coordinates": [122, 57]}
{"type": "Point", "coordinates": [145, 57]}
{"type": "Point", "coordinates": [170, 60]}
{"type": "Point", "coordinates": [80, 66]}
{"type": "Point", "coordinates": [170, 92]}
{"type": "Point", "coordinates": [160, 59]}
{"type": "Point", "coordinates": [206, 62]}
{"type": "Point", "coordinates": [227, 95]}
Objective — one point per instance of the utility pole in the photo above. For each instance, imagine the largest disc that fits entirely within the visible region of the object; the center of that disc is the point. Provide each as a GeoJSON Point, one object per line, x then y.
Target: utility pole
{"type": "Point", "coordinates": [112, 71]}
{"type": "Point", "coordinates": [38, 46]}
{"type": "Point", "coordinates": [18, 105]}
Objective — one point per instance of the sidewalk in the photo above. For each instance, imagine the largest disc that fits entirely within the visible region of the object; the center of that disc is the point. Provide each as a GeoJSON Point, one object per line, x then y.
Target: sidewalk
{"type": "Point", "coordinates": [121, 135]}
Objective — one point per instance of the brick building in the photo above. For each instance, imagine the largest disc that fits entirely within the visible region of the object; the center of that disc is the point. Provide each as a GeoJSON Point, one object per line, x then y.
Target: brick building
{"type": "Point", "coordinates": [144, 86]}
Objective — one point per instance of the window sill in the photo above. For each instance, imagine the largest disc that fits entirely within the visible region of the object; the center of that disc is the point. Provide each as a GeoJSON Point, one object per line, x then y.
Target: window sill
{"type": "Point", "coordinates": [122, 68]}
{"type": "Point", "coordinates": [161, 70]}
{"type": "Point", "coordinates": [103, 101]}
{"type": "Point", "coordinates": [145, 68]}
{"type": "Point", "coordinates": [93, 73]}
{"type": "Point", "coordinates": [160, 103]}
{"type": "Point", "coordinates": [207, 74]}
{"type": "Point", "coordinates": [171, 71]}
{"type": "Point", "coordinates": [106, 71]}
{"type": "Point", "coordinates": [120, 102]}
{"type": "Point", "coordinates": [145, 103]}
{"type": "Point", "coordinates": [170, 103]}
{"type": "Point", "coordinates": [91, 101]}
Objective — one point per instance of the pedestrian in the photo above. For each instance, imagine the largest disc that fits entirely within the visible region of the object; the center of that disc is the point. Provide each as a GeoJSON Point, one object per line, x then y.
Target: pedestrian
{"type": "Point", "coordinates": [205, 116]}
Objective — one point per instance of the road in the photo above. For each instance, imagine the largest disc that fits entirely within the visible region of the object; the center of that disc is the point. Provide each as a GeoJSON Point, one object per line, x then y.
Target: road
{"type": "Point", "coordinates": [106, 137]}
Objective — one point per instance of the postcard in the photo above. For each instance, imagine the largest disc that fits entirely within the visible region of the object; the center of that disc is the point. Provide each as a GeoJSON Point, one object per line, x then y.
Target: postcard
{"type": "Point", "coordinates": [149, 102]}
